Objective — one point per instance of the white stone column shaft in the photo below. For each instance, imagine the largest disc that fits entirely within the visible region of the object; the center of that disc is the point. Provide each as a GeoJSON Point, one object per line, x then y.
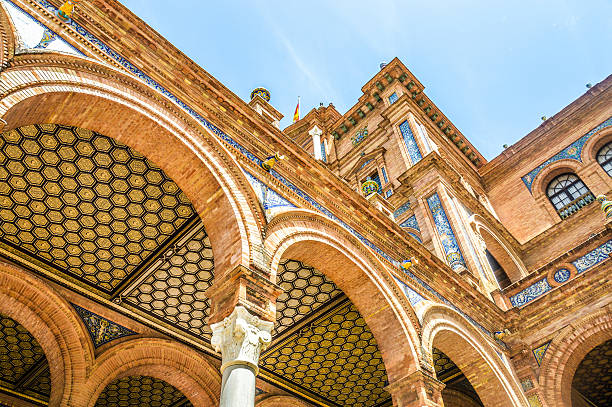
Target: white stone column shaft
{"type": "Point", "coordinates": [240, 338]}
{"type": "Point", "coordinates": [316, 141]}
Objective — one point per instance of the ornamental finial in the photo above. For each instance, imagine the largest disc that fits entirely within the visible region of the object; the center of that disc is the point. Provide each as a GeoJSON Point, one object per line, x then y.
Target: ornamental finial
{"type": "Point", "coordinates": [606, 205]}
{"type": "Point", "coordinates": [65, 11]}
{"type": "Point", "coordinates": [269, 162]}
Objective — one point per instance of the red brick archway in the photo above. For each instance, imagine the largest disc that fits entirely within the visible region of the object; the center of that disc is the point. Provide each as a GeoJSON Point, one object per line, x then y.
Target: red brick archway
{"type": "Point", "coordinates": [7, 37]}
{"type": "Point", "coordinates": [325, 245]}
{"type": "Point", "coordinates": [486, 369]}
{"type": "Point", "coordinates": [51, 320]}
{"type": "Point", "coordinates": [71, 91]}
{"type": "Point", "coordinates": [566, 352]}
{"type": "Point", "coordinates": [170, 361]}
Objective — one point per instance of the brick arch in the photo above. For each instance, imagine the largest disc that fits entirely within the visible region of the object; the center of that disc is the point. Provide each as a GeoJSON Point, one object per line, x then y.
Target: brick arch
{"type": "Point", "coordinates": [594, 143]}
{"type": "Point", "coordinates": [72, 91]}
{"type": "Point", "coordinates": [567, 350]}
{"type": "Point", "coordinates": [503, 252]}
{"type": "Point", "coordinates": [321, 243]}
{"type": "Point", "coordinates": [490, 375]}
{"type": "Point", "coordinates": [53, 322]}
{"type": "Point", "coordinates": [541, 181]}
{"type": "Point", "coordinates": [280, 401]}
{"type": "Point", "coordinates": [7, 39]}
{"type": "Point", "coordinates": [176, 364]}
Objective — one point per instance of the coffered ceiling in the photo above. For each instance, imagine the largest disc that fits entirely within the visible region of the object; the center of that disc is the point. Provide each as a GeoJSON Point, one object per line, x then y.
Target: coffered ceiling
{"type": "Point", "coordinates": [78, 207]}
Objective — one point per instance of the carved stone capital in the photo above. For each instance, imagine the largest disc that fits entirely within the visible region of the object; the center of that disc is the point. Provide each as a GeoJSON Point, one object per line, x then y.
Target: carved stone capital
{"type": "Point", "coordinates": [240, 338]}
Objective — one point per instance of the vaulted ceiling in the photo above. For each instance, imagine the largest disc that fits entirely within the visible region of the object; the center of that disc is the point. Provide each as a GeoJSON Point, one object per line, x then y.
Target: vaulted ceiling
{"type": "Point", "coordinates": [593, 378]}
{"type": "Point", "coordinates": [81, 209]}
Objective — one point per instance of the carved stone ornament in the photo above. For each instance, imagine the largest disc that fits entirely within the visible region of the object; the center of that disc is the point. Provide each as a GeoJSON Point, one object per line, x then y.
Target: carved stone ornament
{"type": "Point", "coordinates": [240, 338]}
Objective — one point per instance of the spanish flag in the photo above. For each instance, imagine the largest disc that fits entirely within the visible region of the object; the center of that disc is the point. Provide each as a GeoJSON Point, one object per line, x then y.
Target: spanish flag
{"type": "Point", "coordinates": [296, 115]}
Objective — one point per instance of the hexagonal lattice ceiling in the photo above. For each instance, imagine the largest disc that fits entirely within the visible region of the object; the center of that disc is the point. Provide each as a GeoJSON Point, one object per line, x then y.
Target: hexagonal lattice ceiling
{"type": "Point", "coordinates": [85, 204]}
{"type": "Point", "coordinates": [175, 288]}
{"type": "Point", "coordinates": [305, 289]}
{"type": "Point", "coordinates": [593, 378]}
{"type": "Point", "coordinates": [334, 356]}
{"type": "Point", "coordinates": [141, 391]}
{"type": "Point", "coordinates": [23, 366]}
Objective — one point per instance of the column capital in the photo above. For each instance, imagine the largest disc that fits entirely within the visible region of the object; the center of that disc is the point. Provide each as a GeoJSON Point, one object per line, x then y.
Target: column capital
{"type": "Point", "coordinates": [240, 338]}
{"type": "Point", "coordinates": [418, 389]}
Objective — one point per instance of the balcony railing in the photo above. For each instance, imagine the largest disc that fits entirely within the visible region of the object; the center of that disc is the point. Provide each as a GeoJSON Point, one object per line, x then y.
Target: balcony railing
{"type": "Point", "coordinates": [577, 204]}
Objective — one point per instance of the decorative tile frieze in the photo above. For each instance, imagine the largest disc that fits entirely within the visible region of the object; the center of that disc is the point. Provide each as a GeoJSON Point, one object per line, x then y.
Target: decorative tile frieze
{"type": "Point", "coordinates": [359, 136]}
{"type": "Point", "coordinates": [445, 231]}
{"type": "Point", "coordinates": [410, 142]}
{"type": "Point", "coordinates": [582, 264]}
{"type": "Point", "coordinates": [531, 293]}
{"type": "Point", "coordinates": [100, 329]}
{"type": "Point", "coordinates": [571, 152]}
{"type": "Point", "coordinates": [594, 257]}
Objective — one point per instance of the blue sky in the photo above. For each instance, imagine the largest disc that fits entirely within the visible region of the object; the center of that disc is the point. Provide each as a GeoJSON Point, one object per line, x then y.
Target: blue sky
{"type": "Point", "coordinates": [493, 67]}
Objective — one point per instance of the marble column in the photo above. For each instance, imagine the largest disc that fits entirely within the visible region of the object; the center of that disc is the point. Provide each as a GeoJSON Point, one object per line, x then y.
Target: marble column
{"type": "Point", "coordinates": [240, 338]}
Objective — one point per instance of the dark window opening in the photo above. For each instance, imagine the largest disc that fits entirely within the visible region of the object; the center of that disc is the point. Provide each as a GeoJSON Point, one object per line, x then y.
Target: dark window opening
{"type": "Point", "coordinates": [500, 274]}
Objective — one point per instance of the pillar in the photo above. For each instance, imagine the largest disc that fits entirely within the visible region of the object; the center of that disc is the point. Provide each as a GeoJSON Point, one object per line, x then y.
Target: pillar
{"type": "Point", "coordinates": [418, 389]}
{"type": "Point", "coordinates": [243, 308]}
{"type": "Point", "coordinates": [240, 338]}
{"type": "Point", "coordinates": [316, 133]}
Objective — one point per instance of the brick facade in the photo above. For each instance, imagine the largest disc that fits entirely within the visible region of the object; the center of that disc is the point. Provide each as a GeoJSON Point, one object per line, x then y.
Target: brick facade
{"type": "Point", "coordinates": [516, 328]}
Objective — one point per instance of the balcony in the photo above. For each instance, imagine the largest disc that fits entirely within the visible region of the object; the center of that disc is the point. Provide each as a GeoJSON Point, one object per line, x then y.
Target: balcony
{"type": "Point", "coordinates": [577, 204]}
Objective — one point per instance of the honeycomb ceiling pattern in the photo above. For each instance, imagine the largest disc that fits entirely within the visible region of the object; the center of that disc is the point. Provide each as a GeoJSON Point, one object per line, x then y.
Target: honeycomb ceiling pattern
{"type": "Point", "coordinates": [444, 366]}
{"type": "Point", "coordinates": [85, 204]}
{"type": "Point", "coordinates": [141, 391]}
{"type": "Point", "coordinates": [304, 290]}
{"type": "Point", "coordinates": [175, 290]}
{"type": "Point", "coordinates": [593, 378]}
{"type": "Point", "coordinates": [335, 356]}
{"type": "Point", "coordinates": [23, 366]}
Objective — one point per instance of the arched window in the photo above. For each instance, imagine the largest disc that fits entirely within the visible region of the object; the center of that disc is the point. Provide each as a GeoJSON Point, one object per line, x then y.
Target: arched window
{"type": "Point", "coordinates": [568, 194]}
{"type": "Point", "coordinates": [604, 158]}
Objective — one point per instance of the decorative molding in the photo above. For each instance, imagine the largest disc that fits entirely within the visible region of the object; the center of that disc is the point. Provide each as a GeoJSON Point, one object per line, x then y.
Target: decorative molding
{"type": "Point", "coordinates": [101, 330]}
{"type": "Point", "coordinates": [411, 145]}
{"type": "Point", "coordinates": [571, 152]}
{"type": "Point", "coordinates": [582, 264]}
{"type": "Point", "coordinates": [445, 231]}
